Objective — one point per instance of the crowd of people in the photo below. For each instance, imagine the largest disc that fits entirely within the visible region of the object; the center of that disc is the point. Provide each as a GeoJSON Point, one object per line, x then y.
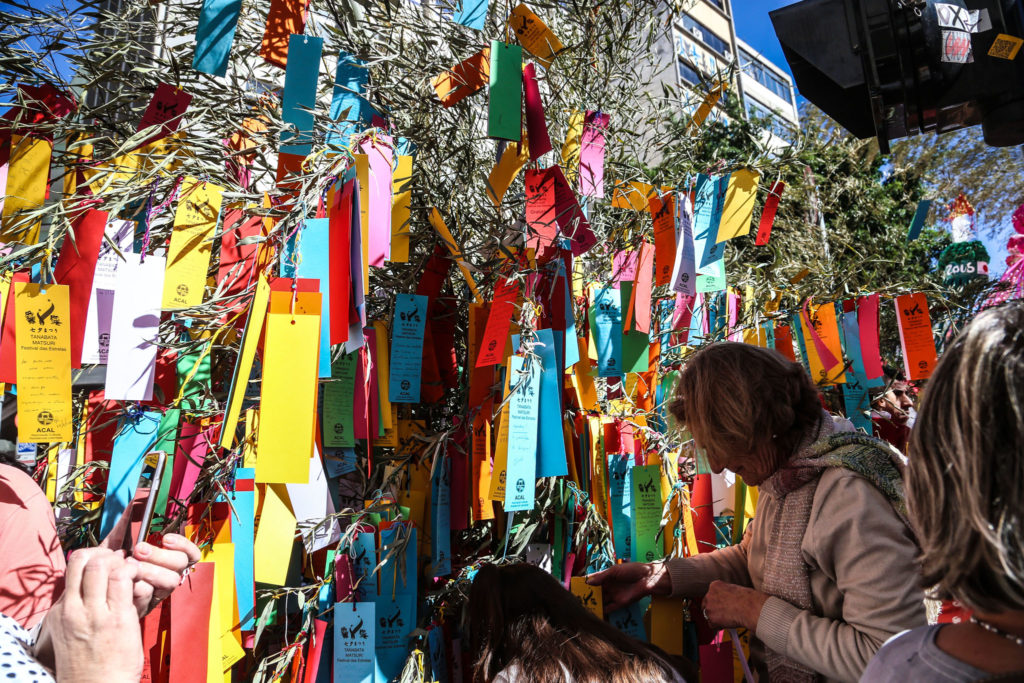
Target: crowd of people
{"type": "Point", "coordinates": [852, 537]}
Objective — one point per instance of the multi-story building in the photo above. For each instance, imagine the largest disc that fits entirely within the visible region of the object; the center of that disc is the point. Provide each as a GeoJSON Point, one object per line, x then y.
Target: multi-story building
{"type": "Point", "coordinates": [706, 46]}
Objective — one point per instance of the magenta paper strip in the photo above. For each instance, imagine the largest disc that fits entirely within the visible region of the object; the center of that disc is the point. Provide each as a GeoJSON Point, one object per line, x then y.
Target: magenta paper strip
{"type": "Point", "coordinates": [867, 321]}
{"type": "Point", "coordinates": [380, 156]}
{"type": "Point", "coordinates": [536, 125]}
{"type": "Point", "coordinates": [592, 154]}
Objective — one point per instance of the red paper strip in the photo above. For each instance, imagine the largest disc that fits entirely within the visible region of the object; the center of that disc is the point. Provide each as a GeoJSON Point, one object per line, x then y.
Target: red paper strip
{"type": "Point", "coordinates": [157, 656]}
{"type": "Point", "coordinates": [481, 379]}
{"type": "Point", "coordinates": [784, 342]}
{"type": "Point", "coordinates": [8, 364]}
{"type": "Point", "coordinates": [340, 237]}
{"type": "Point", "coordinates": [536, 126]}
{"type": "Point", "coordinates": [771, 206]}
{"type": "Point", "coordinates": [237, 269]}
{"type": "Point", "coordinates": [569, 215]}
{"type": "Point", "coordinates": [42, 103]}
{"type": "Point", "coordinates": [459, 495]}
{"type": "Point", "coordinates": [75, 268]}
{"type": "Point", "coordinates": [165, 379]}
{"type": "Point", "coordinates": [431, 388]}
{"type": "Point", "coordinates": [492, 347]}
{"type": "Point", "coordinates": [99, 443]}
{"type": "Point", "coordinates": [867, 323]}
{"type": "Point", "coordinates": [442, 315]}
{"type": "Point", "coordinates": [190, 625]}
{"type": "Point", "coordinates": [315, 648]}
{"type": "Point", "coordinates": [540, 213]}
{"type": "Point", "coordinates": [165, 110]}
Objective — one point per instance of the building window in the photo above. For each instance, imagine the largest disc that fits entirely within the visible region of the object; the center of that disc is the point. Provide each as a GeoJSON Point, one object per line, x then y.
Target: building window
{"type": "Point", "coordinates": [753, 68]}
{"type": "Point", "coordinates": [769, 119]}
{"type": "Point", "coordinates": [720, 4]}
{"type": "Point", "coordinates": [706, 36]}
{"type": "Point", "coordinates": [686, 74]}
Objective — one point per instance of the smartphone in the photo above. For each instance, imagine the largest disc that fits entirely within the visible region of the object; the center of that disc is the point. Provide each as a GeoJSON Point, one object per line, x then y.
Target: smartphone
{"type": "Point", "coordinates": [152, 475]}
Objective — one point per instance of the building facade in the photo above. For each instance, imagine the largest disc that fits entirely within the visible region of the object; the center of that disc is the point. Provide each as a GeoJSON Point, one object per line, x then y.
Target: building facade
{"type": "Point", "coordinates": [706, 46]}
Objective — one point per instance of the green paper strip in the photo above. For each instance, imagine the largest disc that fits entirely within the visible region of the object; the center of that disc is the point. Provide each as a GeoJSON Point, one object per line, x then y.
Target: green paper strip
{"type": "Point", "coordinates": [504, 109]}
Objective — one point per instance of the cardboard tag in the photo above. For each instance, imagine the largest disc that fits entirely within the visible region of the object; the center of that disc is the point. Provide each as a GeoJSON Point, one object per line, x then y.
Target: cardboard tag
{"type": "Point", "coordinates": [44, 363]}
{"type": "Point", "coordinates": [288, 398]}
{"type": "Point", "coordinates": [606, 326]}
{"type": "Point", "coordinates": [164, 111]}
{"type": "Point", "coordinates": [738, 208]}
{"type": "Point", "coordinates": [135, 322]}
{"type": "Point", "coordinates": [534, 35]}
{"type": "Point", "coordinates": [464, 79]}
{"type": "Point", "coordinates": [522, 434]}
{"type": "Point", "coordinates": [96, 342]}
{"type": "Point", "coordinates": [505, 90]}
{"type": "Point", "coordinates": [916, 337]}
{"type": "Point", "coordinates": [214, 35]}
{"type": "Point", "coordinates": [407, 347]}
{"type": "Point", "coordinates": [188, 254]}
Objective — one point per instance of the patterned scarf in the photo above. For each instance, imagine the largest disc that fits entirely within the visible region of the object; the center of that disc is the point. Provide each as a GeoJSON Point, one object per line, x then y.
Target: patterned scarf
{"type": "Point", "coordinates": [786, 574]}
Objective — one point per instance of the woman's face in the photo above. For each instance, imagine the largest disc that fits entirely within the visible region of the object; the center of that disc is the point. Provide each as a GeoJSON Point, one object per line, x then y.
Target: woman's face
{"type": "Point", "coordinates": [753, 467]}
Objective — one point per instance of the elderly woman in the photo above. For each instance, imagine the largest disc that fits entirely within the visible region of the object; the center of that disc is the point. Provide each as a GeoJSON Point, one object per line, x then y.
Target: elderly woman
{"type": "Point", "coordinates": [966, 500]}
{"type": "Point", "coordinates": [825, 572]}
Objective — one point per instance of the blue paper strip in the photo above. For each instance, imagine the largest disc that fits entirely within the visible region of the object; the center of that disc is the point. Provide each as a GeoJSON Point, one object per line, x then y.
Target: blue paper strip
{"type": "Point", "coordinates": [396, 607]}
{"type": "Point", "coordinates": [551, 460]}
{"type": "Point", "coordinates": [314, 263]}
{"type": "Point", "coordinates": [606, 326]}
{"type": "Point", "coordinates": [363, 557]}
{"type": "Point", "coordinates": [348, 104]}
{"type": "Point", "coordinates": [440, 519]}
{"type": "Point", "coordinates": [214, 35]}
{"type": "Point", "coordinates": [299, 97]}
{"type": "Point", "coordinates": [620, 491]}
{"type": "Point", "coordinates": [407, 348]}
{"type": "Point", "coordinates": [572, 347]}
{"type": "Point", "coordinates": [471, 13]}
{"type": "Point", "coordinates": [855, 392]}
{"type": "Point", "coordinates": [918, 222]}
{"type": "Point", "coordinates": [134, 440]}
{"type": "Point", "coordinates": [438, 660]}
{"type": "Point", "coordinates": [707, 214]}
{"type": "Point", "coordinates": [523, 414]}
{"type": "Point", "coordinates": [354, 642]}
{"type": "Point", "coordinates": [243, 530]}
{"type": "Point", "coordinates": [797, 330]}
{"type": "Point", "coordinates": [630, 620]}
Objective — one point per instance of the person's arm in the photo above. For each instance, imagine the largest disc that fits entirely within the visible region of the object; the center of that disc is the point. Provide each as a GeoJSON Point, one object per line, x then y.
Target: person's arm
{"type": "Point", "coordinates": [691, 576]}
{"type": "Point", "coordinates": [859, 542]}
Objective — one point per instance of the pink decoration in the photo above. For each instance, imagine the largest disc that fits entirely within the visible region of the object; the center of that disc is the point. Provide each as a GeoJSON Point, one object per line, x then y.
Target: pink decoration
{"type": "Point", "coordinates": [1018, 219]}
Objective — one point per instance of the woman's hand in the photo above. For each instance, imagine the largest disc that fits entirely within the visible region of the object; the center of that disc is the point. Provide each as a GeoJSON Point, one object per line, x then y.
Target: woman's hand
{"type": "Point", "coordinates": [160, 569]}
{"type": "Point", "coordinates": [94, 626]}
{"type": "Point", "coordinates": [727, 605]}
{"type": "Point", "coordinates": [624, 584]}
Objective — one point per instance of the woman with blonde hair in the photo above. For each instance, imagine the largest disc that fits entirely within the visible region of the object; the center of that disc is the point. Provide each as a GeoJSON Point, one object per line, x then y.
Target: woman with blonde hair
{"type": "Point", "coordinates": [825, 572]}
{"type": "Point", "coordinates": [966, 496]}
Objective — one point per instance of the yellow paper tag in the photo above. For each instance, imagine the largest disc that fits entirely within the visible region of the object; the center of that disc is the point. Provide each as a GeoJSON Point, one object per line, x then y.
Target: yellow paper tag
{"type": "Point", "coordinates": [497, 489]}
{"type": "Point", "coordinates": [446, 235]}
{"type": "Point", "coordinates": [188, 255]}
{"type": "Point", "coordinates": [252, 425]}
{"type": "Point", "coordinates": [667, 624]}
{"type": "Point", "coordinates": [227, 637]}
{"type": "Point", "coordinates": [44, 362]}
{"type": "Point", "coordinates": [28, 172]}
{"type": "Point", "coordinates": [738, 209]}
{"type": "Point", "coordinates": [710, 100]}
{"type": "Point", "coordinates": [246, 355]}
{"type": "Point", "coordinates": [589, 596]}
{"type": "Point", "coordinates": [383, 374]}
{"type": "Point", "coordinates": [828, 329]}
{"type": "Point", "coordinates": [275, 534]}
{"type": "Point", "coordinates": [505, 171]}
{"type": "Point", "coordinates": [635, 195]}
{"type": "Point", "coordinates": [401, 200]}
{"type": "Point", "coordinates": [288, 399]}
{"type": "Point", "coordinates": [571, 147]}
{"type": "Point", "coordinates": [534, 35]}
{"type": "Point", "coordinates": [1005, 47]}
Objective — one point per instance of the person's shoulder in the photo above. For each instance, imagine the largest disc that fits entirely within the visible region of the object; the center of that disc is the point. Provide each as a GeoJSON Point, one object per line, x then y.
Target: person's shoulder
{"type": "Point", "coordinates": [16, 487]}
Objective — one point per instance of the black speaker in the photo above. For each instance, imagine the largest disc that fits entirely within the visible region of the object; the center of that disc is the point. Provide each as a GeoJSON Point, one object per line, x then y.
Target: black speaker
{"type": "Point", "coordinates": [897, 68]}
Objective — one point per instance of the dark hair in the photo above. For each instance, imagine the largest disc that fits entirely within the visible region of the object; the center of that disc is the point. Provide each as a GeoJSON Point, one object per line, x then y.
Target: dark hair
{"type": "Point", "coordinates": [742, 398]}
{"type": "Point", "coordinates": [519, 614]}
{"type": "Point", "coordinates": [964, 481]}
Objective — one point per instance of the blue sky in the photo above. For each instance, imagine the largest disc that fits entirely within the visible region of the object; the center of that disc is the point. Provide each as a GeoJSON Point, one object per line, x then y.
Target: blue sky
{"type": "Point", "coordinates": [754, 26]}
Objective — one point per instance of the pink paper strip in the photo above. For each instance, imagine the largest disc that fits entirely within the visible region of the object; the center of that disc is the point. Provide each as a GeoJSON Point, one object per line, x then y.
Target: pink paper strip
{"type": "Point", "coordinates": [867, 322]}
{"type": "Point", "coordinates": [682, 315]}
{"type": "Point", "coordinates": [734, 316]}
{"type": "Point", "coordinates": [380, 157]}
{"type": "Point", "coordinates": [536, 125]}
{"type": "Point", "coordinates": [624, 265]}
{"type": "Point", "coordinates": [592, 154]}
{"type": "Point", "coordinates": [188, 463]}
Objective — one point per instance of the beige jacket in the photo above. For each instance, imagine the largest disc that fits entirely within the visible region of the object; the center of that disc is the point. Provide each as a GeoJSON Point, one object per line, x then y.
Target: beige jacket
{"type": "Point", "coordinates": [863, 578]}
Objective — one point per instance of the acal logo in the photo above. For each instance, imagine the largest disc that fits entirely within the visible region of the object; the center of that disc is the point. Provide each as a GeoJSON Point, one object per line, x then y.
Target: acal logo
{"type": "Point", "coordinates": [410, 316]}
{"type": "Point", "coordinates": [104, 339]}
{"type": "Point", "coordinates": [915, 310]}
{"type": "Point", "coordinates": [182, 290]}
{"type": "Point", "coordinates": [406, 385]}
{"type": "Point", "coordinates": [45, 417]}
{"type": "Point", "coordinates": [339, 428]}
{"type": "Point", "coordinates": [685, 277]}
{"type": "Point", "coordinates": [646, 487]}
{"type": "Point", "coordinates": [520, 485]}
{"type": "Point", "coordinates": [394, 620]}
{"type": "Point", "coordinates": [354, 632]}
{"type": "Point", "coordinates": [923, 364]}
{"type": "Point", "coordinates": [588, 599]}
